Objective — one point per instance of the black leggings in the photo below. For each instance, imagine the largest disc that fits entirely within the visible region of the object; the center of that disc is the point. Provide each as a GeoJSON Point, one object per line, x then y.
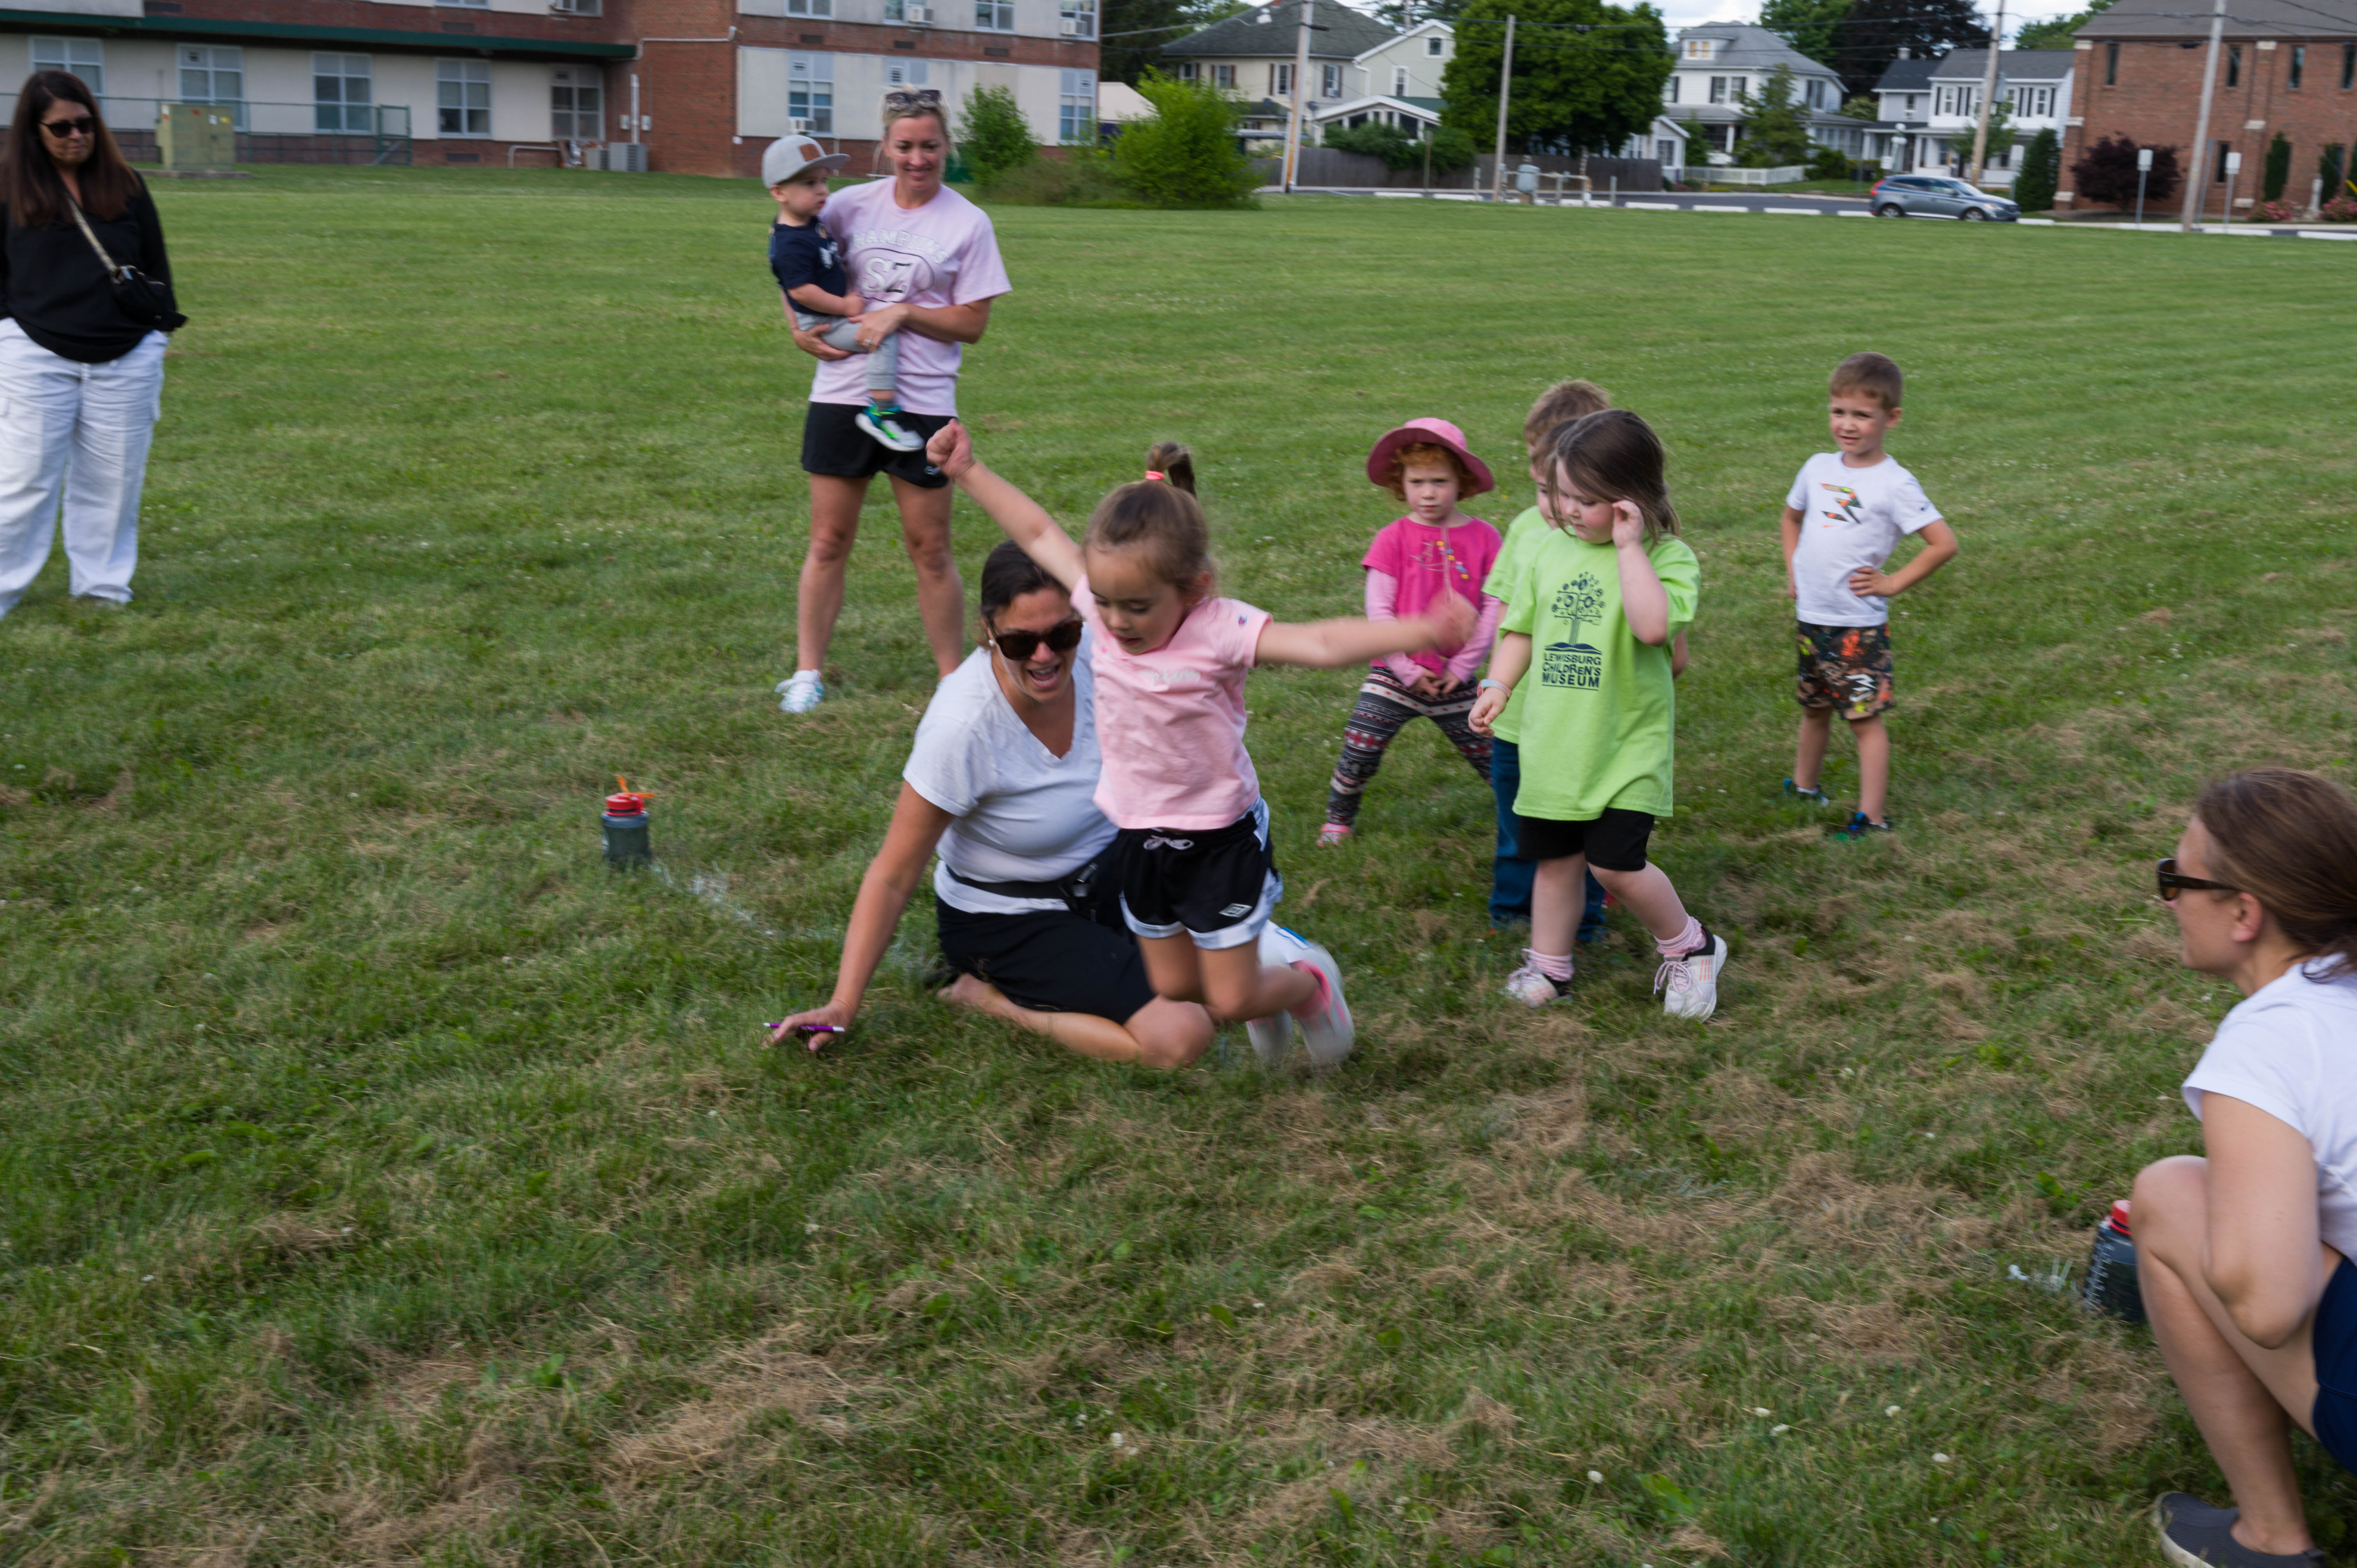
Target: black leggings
{"type": "Point", "coordinates": [1384, 709]}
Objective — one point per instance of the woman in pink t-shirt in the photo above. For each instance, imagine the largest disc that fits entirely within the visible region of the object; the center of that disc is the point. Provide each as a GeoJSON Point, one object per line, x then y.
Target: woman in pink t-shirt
{"type": "Point", "coordinates": [1198, 879]}
{"type": "Point", "coordinates": [925, 262]}
{"type": "Point", "coordinates": [1433, 548]}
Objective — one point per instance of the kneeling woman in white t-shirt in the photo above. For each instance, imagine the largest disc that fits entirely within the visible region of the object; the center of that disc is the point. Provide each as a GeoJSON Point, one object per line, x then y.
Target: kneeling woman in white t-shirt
{"type": "Point", "coordinates": [2243, 1256]}
{"type": "Point", "coordinates": [1003, 779]}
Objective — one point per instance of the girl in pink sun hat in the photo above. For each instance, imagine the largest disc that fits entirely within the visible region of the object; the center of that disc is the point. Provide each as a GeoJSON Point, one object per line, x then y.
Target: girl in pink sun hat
{"type": "Point", "coordinates": [1435, 550]}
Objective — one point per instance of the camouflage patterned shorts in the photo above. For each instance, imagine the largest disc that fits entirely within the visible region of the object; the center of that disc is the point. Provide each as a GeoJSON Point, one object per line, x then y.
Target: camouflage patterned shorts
{"type": "Point", "coordinates": [1844, 667]}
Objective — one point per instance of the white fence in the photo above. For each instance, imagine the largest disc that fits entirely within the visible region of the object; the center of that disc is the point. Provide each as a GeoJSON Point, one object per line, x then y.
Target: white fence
{"type": "Point", "coordinates": [1729, 174]}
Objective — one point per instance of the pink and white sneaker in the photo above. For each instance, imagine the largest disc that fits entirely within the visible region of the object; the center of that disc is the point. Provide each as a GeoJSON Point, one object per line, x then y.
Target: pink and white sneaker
{"type": "Point", "coordinates": [1333, 834]}
{"type": "Point", "coordinates": [1533, 986]}
{"type": "Point", "coordinates": [1689, 985]}
{"type": "Point", "coordinates": [1326, 1029]}
{"type": "Point", "coordinates": [1271, 1037]}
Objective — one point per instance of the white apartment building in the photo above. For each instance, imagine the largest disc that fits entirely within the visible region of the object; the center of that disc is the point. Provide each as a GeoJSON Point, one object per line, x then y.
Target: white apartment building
{"type": "Point", "coordinates": [1931, 108]}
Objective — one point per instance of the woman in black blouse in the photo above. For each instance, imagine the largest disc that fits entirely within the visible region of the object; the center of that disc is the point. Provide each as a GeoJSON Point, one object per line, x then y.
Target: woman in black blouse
{"type": "Point", "coordinates": [79, 378]}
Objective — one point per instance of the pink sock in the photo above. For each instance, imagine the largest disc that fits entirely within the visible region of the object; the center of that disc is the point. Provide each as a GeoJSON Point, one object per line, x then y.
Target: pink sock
{"type": "Point", "coordinates": [1552, 965]}
{"type": "Point", "coordinates": [1685, 942]}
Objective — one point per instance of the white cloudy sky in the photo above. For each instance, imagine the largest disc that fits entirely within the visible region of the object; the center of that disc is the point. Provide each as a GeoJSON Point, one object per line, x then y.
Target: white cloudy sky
{"type": "Point", "coordinates": [1687, 13]}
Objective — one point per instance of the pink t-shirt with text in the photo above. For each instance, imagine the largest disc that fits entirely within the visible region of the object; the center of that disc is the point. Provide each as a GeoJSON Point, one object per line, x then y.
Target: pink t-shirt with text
{"type": "Point", "coordinates": [944, 252]}
{"type": "Point", "coordinates": [1420, 558]}
{"type": "Point", "coordinates": [1170, 724]}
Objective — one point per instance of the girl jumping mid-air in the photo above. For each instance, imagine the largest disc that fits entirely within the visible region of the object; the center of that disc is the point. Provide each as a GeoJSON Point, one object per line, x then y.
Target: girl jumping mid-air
{"type": "Point", "coordinates": [1589, 620]}
{"type": "Point", "coordinates": [1198, 878]}
{"type": "Point", "coordinates": [1434, 550]}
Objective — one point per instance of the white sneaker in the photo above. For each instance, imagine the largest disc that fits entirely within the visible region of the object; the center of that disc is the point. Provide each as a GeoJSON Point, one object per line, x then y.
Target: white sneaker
{"type": "Point", "coordinates": [1327, 1033]}
{"type": "Point", "coordinates": [802, 692]}
{"type": "Point", "coordinates": [885, 430]}
{"type": "Point", "coordinates": [1271, 1037]}
{"type": "Point", "coordinates": [1534, 987]}
{"type": "Point", "coordinates": [1689, 985]}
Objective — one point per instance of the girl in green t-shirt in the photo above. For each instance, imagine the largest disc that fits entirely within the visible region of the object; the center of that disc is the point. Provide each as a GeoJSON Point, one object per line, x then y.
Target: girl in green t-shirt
{"type": "Point", "coordinates": [1594, 608]}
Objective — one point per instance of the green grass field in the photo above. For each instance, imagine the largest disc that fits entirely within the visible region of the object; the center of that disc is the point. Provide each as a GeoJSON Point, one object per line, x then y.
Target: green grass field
{"type": "Point", "coordinates": [387, 1181]}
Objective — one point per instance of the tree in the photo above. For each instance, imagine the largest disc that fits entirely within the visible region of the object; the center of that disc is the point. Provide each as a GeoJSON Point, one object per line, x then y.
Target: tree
{"type": "Point", "coordinates": [2329, 169]}
{"type": "Point", "coordinates": [1407, 14]}
{"type": "Point", "coordinates": [1588, 75]}
{"type": "Point", "coordinates": [1775, 127]}
{"type": "Point", "coordinates": [1871, 37]}
{"type": "Point", "coordinates": [1378, 139]}
{"type": "Point", "coordinates": [2057, 32]}
{"type": "Point", "coordinates": [2002, 133]}
{"type": "Point", "coordinates": [2278, 168]}
{"type": "Point", "coordinates": [1185, 156]}
{"type": "Point", "coordinates": [993, 134]}
{"type": "Point", "coordinates": [1861, 106]}
{"type": "Point", "coordinates": [1809, 26]}
{"type": "Point", "coordinates": [2040, 174]}
{"type": "Point", "coordinates": [2106, 176]}
{"type": "Point", "coordinates": [1135, 31]}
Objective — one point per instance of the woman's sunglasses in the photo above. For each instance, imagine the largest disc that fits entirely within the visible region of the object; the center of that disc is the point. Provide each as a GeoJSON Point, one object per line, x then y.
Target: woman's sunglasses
{"type": "Point", "coordinates": [2173, 882]}
{"type": "Point", "coordinates": [1019, 646]}
{"type": "Point", "coordinates": [80, 126]}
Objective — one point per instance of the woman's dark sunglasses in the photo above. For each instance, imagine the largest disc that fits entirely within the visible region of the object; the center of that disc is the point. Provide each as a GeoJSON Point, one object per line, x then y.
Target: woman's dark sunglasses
{"type": "Point", "coordinates": [2173, 882]}
{"type": "Point", "coordinates": [1021, 645]}
{"type": "Point", "coordinates": [80, 126]}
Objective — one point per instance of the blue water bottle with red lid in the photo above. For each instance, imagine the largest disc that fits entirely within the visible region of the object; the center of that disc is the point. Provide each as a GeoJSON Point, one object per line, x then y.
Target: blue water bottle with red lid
{"type": "Point", "coordinates": [628, 844]}
{"type": "Point", "coordinates": [2111, 1286]}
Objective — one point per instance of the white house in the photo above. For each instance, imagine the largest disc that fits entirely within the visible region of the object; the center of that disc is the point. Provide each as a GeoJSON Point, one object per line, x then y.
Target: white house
{"type": "Point", "coordinates": [1720, 64]}
{"type": "Point", "coordinates": [1931, 108]}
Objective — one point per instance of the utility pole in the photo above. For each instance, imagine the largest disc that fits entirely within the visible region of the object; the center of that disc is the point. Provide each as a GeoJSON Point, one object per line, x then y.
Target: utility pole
{"type": "Point", "coordinates": [1505, 90]}
{"type": "Point", "coordinates": [1300, 93]}
{"type": "Point", "coordinates": [1988, 94]}
{"type": "Point", "coordinates": [2197, 168]}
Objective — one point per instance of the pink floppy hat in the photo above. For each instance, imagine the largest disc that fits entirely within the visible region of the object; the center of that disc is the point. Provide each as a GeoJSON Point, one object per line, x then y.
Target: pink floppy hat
{"type": "Point", "coordinates": [1437, 433]}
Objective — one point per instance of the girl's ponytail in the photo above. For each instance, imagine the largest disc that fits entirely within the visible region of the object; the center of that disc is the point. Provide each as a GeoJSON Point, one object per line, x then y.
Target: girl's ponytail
{"type": "Point", "coordinates": [1172, 464]}
{"type": "Point", "coordinates": [2289, 839]}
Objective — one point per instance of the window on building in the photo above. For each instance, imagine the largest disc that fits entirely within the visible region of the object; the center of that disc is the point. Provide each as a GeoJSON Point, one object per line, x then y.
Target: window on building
{"type": "Point", "coordinates": [911, 73]}
{"type": "Point", "coordinates": [810, 92]}
{"type": "Point", "coordinates": [2111, 65]}
{"type": "Point", "coordinates": [462, 96]}
{"type": "Point", "coordinates": [1816, 94]}
{"type": "Point", "coordinates": [1399, 81]}
{"type": "Point", "coordinates": [810, 7]}
{"type": "Point", "coordinates": [994, 16]}
{"type": "Point", "coordinates": [1330, 82]}
{"type": "Point", "coordinates": [1742, 85]}
{"type": "Point", "coordinates": [1718, 89]}
{"type": "Point", "coordinates": [477, 3]}
{"type": "Point", "coordinates": [1911, 99]}
{"type": "Point", "coordinates": [576, 104]}
{"type": "Point", "coordinates": [2233, 65]}
{"type": "Point", "coordinates": [1079, 18]}
{"type": "Point", "coordinates": [214, 73]}
{"type": "Point", "coordinates": [1666, 153]}
{"type": "Point", "coordinates": [2298, 65]}
{"type": "Point", "coordinates": [1670, 91]}
{"type": "Point", "coordinates": [2218, 176]}
{"type": "Point", "coordinates": [1701, 49]}
{"type": "Point", "coordinates": [2348, 66]}
{"type": "Point", "coordinates": [1280, 82]}
{"type": "Point", "coordinates": [1187, 70]}
{"type": "Point", "coordinates": [1224, 76]}
{"type": "Point", "coordinates": [343, 95]}
{"type": "Point", "coordinates": [85, 57]}
{"type": "Point", "coordinates": [1076, 108]}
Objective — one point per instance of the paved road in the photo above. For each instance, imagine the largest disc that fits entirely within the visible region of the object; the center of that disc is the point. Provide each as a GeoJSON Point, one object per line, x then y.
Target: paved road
{"type": "Point", "coordinates": [1786, 205]}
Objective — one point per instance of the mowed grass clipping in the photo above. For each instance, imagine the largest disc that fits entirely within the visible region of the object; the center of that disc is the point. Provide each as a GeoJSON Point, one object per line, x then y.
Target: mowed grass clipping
{"type": "Point", "coordinates": [389, 1182]}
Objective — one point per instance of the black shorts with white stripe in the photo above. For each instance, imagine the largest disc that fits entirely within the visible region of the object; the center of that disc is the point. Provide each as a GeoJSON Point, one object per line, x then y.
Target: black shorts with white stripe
{"type": "Point", "coordinates": [1214, 885]}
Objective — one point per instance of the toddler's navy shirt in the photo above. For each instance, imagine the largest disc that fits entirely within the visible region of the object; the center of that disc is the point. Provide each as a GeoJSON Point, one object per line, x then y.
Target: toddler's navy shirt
{"type": "Point", "coordinates": [806, 255]}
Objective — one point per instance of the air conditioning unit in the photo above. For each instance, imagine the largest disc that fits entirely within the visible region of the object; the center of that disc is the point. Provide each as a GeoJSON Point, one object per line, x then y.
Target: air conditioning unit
{"type": "Point", "coordinates": [799, 126]}
{"type": "Point", "coordinates": [577, 7]}
{"type": "Point", "coordinates": [917, 15]}
{"type": "Point", "coordinates": [621, 157]}
{"type": "Point", "coordinates": [1072, 30]}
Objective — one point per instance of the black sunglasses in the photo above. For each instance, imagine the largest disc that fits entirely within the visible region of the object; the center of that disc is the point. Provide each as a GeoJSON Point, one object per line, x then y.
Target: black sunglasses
{"type": "Point", "coordinates": [80, 125]}
{"type": "Point", "coordinates": [1021, 645]}
{"type": "Point", "coordinates": [2173, 882]}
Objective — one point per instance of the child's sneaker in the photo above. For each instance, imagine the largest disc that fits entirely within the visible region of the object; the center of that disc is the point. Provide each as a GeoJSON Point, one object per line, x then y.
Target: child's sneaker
{"type": "Point", "coordinates": [1326, 1029]}
{"type": "Point", "coordinates": [1532, 987]}
{"type": "Point", "coordinates": [1860, 825]}
{"type": "Point", "coordinates": [1271, 1037]}
{"type": "Point", "coordinates": [1815, 794]}
{"type": "Point", "coordinates": [1333, 834]}
{"type": "Point", "coordinates": [883, 427]}
{"type": "Point", "coordinates": [801, 691]}
{"type": "Point", "coordinates": [1689, 984]}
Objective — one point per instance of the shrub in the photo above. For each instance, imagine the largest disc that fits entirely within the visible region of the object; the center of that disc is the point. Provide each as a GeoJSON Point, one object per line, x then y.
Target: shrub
{"type": "Point", "coordinates": [2040, 173]}
{"type": "Point", "coordinates": [2339, 210]}
{"type": "Point", "coordinates": [2329, 169]}
{"type": "Point", "coordinates": [2106, 176]}
{"type": "Point", "coordinates": [1452, 148]}
{"type": "Point", "coordinates": [993, 135]}
{"type": "Point", "coordinates": [2275, 211]}
{"type": "Point", "coordinates": [1377, 139]}
{"type": "Point", "coordinates": [1185, 156]}
{"type": "Point", "coordinates": [2278, 168]}
{"type": "Point", "coordinates": [1083, 176]}
{"type": "Point", "coordinates": [1829, 162]}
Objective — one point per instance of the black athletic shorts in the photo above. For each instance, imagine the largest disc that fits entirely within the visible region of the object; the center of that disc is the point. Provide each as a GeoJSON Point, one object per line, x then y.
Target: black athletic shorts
{"type": "Point", "coordinates": [1615, 840]}
{"type": "Point", "coordinates": [1053, 961]}
{"type": "Point", "coordinates": [833, 445]}
{"type": "Point", "coordinates": [1216, 886]}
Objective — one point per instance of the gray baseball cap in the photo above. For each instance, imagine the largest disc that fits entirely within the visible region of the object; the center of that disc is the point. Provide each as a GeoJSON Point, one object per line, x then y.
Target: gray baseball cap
{"type": "Point", "coordinates": [790, 156]}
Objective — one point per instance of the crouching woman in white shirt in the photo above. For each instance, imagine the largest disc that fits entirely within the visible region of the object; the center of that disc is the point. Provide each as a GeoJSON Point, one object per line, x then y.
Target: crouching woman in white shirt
{"type": "Point", "coordinates": [1003, 779]}
{"type": "Point", "coordinates": [2243, 1256]}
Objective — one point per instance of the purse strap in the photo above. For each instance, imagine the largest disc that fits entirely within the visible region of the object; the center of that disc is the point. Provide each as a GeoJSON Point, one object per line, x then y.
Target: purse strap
{"type": "Point", "coordinates": [114, 269]}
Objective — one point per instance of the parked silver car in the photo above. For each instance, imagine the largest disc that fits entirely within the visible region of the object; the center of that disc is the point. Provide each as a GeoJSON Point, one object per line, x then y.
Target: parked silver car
{"type": "Point", "coordinates": [1937, 196]}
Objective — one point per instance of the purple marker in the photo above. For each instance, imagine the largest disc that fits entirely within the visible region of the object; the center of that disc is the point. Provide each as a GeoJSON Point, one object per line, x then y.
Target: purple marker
{"type": "Point", "coordinates": [809, 1029]}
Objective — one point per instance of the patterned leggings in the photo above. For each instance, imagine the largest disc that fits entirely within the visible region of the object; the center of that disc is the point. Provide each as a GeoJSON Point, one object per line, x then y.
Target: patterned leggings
{"type": "Point", "coordinates": [1384, 709]}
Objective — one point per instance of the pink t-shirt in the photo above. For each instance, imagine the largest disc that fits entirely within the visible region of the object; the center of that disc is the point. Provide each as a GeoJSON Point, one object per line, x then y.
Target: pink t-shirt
{"type": "Point", "coordinates": [1170, 722]}
{"type": "Point", "coordinates": [1420, 558]}
{"type": "Point", "coordinates": [944, 252]}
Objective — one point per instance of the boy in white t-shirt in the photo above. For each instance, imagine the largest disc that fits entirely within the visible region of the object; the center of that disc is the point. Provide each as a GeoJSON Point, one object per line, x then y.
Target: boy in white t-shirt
{"type": "Point", "coordinates": [1845, 514]}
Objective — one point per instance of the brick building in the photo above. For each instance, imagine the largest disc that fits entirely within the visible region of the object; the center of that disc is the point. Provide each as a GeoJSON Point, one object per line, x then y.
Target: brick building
{"type": "Point", "coordinates": [702, 86]}
{"type": "Point", "coordinates": [2284, 66]}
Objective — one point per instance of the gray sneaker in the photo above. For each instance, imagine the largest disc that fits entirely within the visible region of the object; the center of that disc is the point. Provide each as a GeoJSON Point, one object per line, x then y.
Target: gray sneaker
{"type": "Point", "coordinates": [2195, 1535]}
{"type": "Point", "coordinates": [883, 427]}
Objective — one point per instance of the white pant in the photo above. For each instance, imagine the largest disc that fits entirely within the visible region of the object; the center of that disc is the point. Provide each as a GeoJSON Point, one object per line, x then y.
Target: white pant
{"type": "Point", "coordinates": [82, 432]}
